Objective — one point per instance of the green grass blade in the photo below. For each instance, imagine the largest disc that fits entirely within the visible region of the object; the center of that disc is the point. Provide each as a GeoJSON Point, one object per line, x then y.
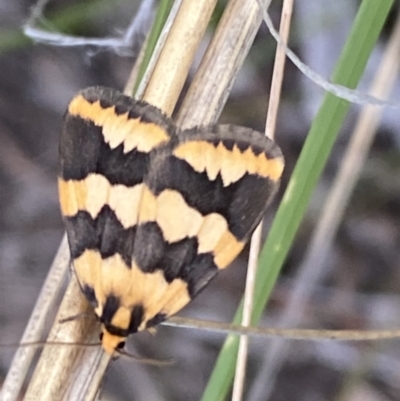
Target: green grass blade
{"type": "Point", "coordinates": [321, 137]}
{"type": "Point", "coordinates": [163, 10]}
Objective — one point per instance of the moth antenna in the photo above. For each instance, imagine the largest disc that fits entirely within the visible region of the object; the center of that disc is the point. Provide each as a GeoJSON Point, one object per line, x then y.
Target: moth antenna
{"type": "Point", "coordinates": [44, 343]}
{"type": "Point", "coordinates": [146, 361]}
{"type": "Point", "coordinates": [78, 316]}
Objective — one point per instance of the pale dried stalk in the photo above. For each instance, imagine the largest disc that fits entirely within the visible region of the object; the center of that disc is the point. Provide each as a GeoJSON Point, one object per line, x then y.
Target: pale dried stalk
{"type": "Point", "coordinates": [224, 57]}
{"type": "Point", "coordinates": [279, 67]}
{"type": "Point", "coordinates": [60, 366]}
{"type": "Point", "coordinates": [177, 55]}
{"type": "Point", "coordinates": [241, 362]}
{"type": "Point", "coordinates": [34, 329]}
{"type": "Point", "coordinates": [158, 49]}
{"type": "Point", "coordinates": [293, 334]}
{"type": "Point", "coordinates": [274, 99]}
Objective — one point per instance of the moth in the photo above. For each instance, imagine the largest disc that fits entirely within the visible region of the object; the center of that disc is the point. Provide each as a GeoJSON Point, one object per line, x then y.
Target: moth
{"type": "Point", "coordinates": [153, 212]}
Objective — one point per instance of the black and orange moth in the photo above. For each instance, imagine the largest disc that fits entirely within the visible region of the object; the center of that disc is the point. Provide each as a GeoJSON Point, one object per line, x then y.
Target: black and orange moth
{"type": "Point", "coordinates": [152, 212]}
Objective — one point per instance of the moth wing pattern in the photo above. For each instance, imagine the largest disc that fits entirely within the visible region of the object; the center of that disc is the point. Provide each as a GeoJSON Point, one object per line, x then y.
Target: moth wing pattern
{"type": "Point", "coordinates": [153, 213]}
{"type": "Point", "coordinates": [206, 193]}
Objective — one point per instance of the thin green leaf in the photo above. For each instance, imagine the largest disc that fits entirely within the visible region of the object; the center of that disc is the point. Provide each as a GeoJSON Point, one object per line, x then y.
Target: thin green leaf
{"type": "Point", "coordinates": [163, 10]}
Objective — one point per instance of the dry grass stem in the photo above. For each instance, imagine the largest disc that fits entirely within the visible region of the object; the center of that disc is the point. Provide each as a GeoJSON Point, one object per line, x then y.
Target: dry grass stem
{"type": "Point", "coordinates": [241, 362]}
{"type": "Point", "coordinates": [225, 55]}
{"type": "Point", "coordinates": [177, 54]}
{"type": "Point", "coordinates": [293, 334]}
{"type": "Point", "coordinates": [279, 67]}
{"type": "Point", "coordinates": [34, 329]}
{"type": "Point", "coordinates": [58, 370]}
{"type": "Point", "coordinates": [157, 51]}
{"type": "Point", "coordinates": [255, 244]}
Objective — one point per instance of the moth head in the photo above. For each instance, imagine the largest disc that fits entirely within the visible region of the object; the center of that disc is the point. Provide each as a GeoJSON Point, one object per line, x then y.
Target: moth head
{"type": "Point", "coordinates": [111, 342]}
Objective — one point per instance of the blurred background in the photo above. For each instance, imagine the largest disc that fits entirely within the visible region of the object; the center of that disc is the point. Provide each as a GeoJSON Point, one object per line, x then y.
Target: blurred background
{"type": "Point", "coordinates": [360, 286]}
